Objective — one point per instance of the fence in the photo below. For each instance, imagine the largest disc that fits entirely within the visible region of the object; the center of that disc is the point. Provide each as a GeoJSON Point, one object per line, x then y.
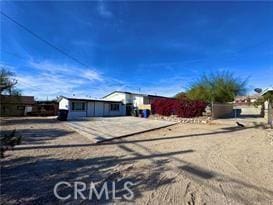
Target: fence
{"type": "Point", "coordinates": [220, 110]}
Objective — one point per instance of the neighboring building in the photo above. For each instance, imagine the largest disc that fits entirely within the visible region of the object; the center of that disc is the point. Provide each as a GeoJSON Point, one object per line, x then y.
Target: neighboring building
{"type": "Point", "coordinates": [244, 106]}
{"type": "Point", "coordinates": [46, 108]}
{"type": "Point", "coordinates": [268, 106]}
{"type": "Point", "coordinates": [16, 105]}
{"type": "Point", "coordinates": [246, 100]}
{"type": "Point", "coordinates": [132, 100]}
{"type": "Point", "coordinates": [88, 107]}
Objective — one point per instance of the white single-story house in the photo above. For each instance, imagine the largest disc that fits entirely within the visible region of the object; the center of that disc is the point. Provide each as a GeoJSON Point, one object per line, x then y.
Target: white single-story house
{"type": "Point", "coordinates": [88, 107]}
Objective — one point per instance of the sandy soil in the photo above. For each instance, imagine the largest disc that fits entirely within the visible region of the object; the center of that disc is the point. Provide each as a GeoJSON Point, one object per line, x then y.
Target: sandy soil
{"type": "Point", "coordinates": [182, 164]}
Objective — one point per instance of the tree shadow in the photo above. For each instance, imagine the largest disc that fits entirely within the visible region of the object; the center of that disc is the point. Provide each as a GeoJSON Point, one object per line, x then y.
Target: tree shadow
{"type": "Point", "coordinates": [28, 120]}
{"type": "Point", "coordinates": [150, 139]}
{"type": "Point", "coordinates": [197, 172]}
{"type": "Point", "coordinates": [38, 136]}
{"type": "Point", "coordinates": [202, 176]}
{"type": "Point", "coordinates": [32, 179]}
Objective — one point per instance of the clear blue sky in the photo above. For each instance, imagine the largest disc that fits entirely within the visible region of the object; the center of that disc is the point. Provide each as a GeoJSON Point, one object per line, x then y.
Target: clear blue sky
{"type": "Point", "coordinates": [155, 47]}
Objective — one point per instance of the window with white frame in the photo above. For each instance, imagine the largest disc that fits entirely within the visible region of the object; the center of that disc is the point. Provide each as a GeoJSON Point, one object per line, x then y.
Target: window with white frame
{"type": "Point", "coordinates": [114, 107]}
{"type": "Point", "coordinates": [78, 106]}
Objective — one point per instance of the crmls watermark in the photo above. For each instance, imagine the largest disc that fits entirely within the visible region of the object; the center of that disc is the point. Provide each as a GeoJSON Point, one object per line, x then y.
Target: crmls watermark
{"type": "Point", "coordinates": [84, 191]}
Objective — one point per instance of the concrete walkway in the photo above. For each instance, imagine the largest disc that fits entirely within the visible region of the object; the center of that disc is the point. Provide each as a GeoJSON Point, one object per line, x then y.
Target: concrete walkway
{"type": "Point", "coordinates": [107, 128]}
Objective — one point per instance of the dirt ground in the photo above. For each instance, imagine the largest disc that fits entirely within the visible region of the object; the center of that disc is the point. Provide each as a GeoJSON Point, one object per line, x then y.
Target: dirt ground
{"type": "Point", "coordinates": [182, 164]}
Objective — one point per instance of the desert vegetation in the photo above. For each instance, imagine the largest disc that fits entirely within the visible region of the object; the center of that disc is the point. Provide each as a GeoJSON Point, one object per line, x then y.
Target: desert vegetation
{"type": "Point", "coordinates": [220, 87]}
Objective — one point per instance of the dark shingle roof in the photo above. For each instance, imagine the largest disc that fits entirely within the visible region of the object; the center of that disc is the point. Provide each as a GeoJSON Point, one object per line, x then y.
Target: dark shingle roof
{"type": "Point", "coordinates": [11, 99]}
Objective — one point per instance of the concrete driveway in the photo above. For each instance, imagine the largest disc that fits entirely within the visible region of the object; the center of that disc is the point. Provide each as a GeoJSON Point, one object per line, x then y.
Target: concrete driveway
{"type": "Point", "coordinates": [106, 128]}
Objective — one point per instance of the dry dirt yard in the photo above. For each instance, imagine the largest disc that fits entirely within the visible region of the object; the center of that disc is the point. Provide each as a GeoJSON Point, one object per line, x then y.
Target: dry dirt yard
{"type": "Point", "coordinates": [182, 164]}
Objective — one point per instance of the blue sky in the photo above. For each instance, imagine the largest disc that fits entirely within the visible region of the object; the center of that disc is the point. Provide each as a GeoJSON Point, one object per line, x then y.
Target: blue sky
{"type": "Point", "coordinates": [155, 47]}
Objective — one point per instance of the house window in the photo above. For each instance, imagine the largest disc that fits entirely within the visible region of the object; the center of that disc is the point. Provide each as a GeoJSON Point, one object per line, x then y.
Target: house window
{"type": "Point", "coordinates": [78, 106]}
{"type": "Point", "coordinates": [114, 107]}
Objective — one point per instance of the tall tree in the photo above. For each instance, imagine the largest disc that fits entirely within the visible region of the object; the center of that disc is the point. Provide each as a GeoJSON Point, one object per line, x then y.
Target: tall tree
{"type": "Point", "coordinates": [8, 82]}
{"type": "Point", "coordinates": [180, 96]}
{"type": "Point", "coordinates": [220, 87]}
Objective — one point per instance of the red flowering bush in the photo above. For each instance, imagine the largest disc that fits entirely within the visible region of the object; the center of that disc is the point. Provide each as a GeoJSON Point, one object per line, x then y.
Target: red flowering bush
{"type": "Point", "coordinates": [181, 108]}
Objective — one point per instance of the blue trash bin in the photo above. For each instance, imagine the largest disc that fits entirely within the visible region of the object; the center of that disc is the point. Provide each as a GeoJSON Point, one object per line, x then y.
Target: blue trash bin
{"type": "Point", "coordinates": [146, 113]}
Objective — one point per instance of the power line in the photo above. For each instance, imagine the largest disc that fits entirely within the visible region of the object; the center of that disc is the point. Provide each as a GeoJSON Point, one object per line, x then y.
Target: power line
{"type": "Point", "coordinates": [43, 40]}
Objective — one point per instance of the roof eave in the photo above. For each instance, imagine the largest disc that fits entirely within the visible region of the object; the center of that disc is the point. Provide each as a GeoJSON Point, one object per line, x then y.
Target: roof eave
{"type": "Point", "coordinates": [267, 90]}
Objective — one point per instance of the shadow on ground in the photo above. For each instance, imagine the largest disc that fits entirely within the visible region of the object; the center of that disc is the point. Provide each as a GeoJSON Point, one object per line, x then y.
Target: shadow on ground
{"type": "Point", "coordinates": [28, 120]}
{"type": "Point", "coordinates": [128, 141]}
{"type": "Point", "coordinates": [31, 179]}
{"type": "Point", "coordinates": [38, 136]}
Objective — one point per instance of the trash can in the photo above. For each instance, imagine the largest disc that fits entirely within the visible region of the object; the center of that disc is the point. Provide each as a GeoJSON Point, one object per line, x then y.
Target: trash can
{"type": "Point", "coordinates": [62, 115]}
{"type": "Point", "coordinates": [140, 113]}
{"type": "Point", "coordinates": [135, 112]}
{"type": "Point", "coordinates": [146, 113]}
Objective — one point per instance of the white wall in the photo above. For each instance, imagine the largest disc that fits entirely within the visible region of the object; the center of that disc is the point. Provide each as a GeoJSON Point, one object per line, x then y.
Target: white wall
{"type": "Point", "coordinates": [92, 109]}
{"type": "Point", "coordinates": [137, 100]}
{"type": "Point", "coordinates": [268, 112]}
{"type": "Point", "coordinates": [99, 109]}
{"type": "Point", "coordinates": [126, 98]}
{"type": "Point", "coordinates": [117, 97]}
{"type": "Point", "coordinates": [76, 114]}
{"type": "Point", "coordinates": [72, 114]}
{"type": "Point", "coordinates": [249, 110]}
{"type": "Point", "coordinates": [63, 104]}
{"type": "Point", "coordinates": [120, 112]}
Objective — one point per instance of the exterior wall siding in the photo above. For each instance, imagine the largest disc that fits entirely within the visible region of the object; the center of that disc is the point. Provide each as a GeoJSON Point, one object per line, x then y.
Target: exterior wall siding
{"type": "Point", "coordinates": [117, 97]}
{"type": "Point", "coordinates": [99, 109]}
{"type": "Point", "coordinates": [138, 100]}
{"type": "Point", "coordinates": [63, 104]}
{"type": "Point", "coordinates": [76, 114]}
{"type": "Point", "coordinates": [222, 110]}
{"type": "Point", "coordinates": [126, 98]}
{"type": "Point", "coordinates": [92, 109]}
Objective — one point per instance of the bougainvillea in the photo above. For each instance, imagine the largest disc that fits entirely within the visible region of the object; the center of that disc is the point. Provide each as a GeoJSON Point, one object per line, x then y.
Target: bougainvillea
{"type": "Point", "coordinates": [181, 108]}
